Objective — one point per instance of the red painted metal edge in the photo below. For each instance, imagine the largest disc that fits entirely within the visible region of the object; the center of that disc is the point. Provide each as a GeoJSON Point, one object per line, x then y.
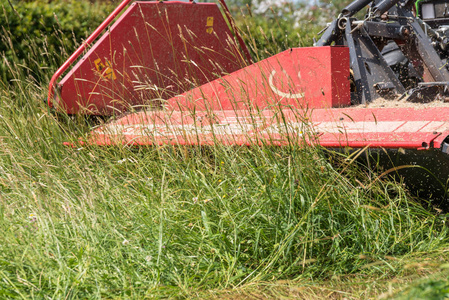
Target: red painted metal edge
{"type": "Point", "coordinates": [81, 48]}
{"type": "Point", "coordinates": [235, 29]}
{"type": "Point", "coordinates": [390, 128]}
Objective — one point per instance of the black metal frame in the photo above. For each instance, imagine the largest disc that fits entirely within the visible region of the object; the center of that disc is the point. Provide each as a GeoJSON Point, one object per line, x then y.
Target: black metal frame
{"type": "Point", "coordinates": [388, 20]}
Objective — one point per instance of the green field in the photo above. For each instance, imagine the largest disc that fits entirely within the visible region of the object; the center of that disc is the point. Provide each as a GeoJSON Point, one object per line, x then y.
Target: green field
{"type": "Point", "coordinates": [197, 222]}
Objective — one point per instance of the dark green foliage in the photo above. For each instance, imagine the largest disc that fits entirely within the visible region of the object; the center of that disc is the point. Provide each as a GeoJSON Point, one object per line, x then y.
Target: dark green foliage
{"type": "Point", "coordinates": [269, 32]}
{"type": "Point", "coordinates": [35, 31]}
{"type": "Point", "coordinates": [428, 290]}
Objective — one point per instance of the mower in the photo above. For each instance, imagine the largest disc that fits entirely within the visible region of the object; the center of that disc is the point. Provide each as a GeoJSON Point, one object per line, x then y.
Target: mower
{"type": "Point", "coordinates": [178, 73]}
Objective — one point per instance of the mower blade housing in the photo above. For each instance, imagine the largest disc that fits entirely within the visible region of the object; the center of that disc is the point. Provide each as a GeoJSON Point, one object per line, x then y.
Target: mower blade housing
{"type": "Point", "coordinates": [155, 50]}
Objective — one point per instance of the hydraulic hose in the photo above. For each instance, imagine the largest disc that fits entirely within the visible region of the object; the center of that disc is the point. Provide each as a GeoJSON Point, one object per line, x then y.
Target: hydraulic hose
{"type": "Point", "coordinates": [384, 6]}
{"type": "Point", "coordinates": [355, 7]}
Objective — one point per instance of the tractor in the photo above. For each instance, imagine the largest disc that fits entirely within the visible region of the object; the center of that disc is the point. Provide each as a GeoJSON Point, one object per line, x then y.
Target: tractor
{"type": "Point", "coordinates": [377, 79]}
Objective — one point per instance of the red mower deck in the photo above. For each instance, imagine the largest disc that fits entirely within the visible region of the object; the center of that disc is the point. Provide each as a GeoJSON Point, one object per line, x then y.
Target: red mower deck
{"type": "Point", "coordinates": [155, 50]}
{"type": "Point", "coordinates": [162, 59]}
{"type": "Point", "coordinates": [293, 97]}
{"type": "Point", "coordinates": [391, 128]}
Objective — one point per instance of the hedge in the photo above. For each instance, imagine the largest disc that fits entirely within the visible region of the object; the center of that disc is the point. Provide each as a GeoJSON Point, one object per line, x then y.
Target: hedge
{"type": "Point", "coordinates": [39, 35]}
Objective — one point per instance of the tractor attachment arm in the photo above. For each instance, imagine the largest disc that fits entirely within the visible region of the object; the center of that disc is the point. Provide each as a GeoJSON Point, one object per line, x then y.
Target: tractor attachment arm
{"type": "Point", "coordinates": [390, 23]}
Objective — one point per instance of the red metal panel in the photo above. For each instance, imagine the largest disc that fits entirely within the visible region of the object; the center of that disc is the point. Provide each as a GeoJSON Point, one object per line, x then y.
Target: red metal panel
{"type": "Point", "coordinates": [338, 127]}
{"type": "Point", "coordinates": [154, 51]}
{"type": "Point", "coordinates": [256, 105]}
{"type": "Point", "coordinates": [83, 47]}
{"type": "Point", "coordinates": [314, 77]}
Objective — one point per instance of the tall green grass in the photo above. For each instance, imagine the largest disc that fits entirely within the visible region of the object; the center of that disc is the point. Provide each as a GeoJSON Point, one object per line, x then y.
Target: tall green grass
{"type": "Point", "coordinates": [167, 221]}
{"type": "Point", "coordinates": [105, 222]}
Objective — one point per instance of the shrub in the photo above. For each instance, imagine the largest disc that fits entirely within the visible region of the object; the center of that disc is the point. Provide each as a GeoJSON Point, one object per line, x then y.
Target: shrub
{"type": "Point", "coordinates": [268, 32]}
{"type": "Point", "coordinates": [33, 30]}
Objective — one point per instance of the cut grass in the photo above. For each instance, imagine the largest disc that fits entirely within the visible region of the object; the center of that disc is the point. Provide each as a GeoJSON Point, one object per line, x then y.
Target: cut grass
{"type": "Point", "coordinates": [419, 276]}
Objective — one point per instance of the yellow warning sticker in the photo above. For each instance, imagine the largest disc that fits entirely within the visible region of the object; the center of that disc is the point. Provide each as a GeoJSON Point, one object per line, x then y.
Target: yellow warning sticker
{"type": "Point", "coordinates": [210, 24]}
{"type": "Point", "coordinates": [105, 70]}
{"type": "Point", "coordinates": [210, 21]}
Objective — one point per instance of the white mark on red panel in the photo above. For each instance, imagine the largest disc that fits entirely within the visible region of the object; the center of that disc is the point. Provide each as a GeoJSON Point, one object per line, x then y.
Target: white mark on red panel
{"type": "Point", "coordinates": [280, 93]}
{"type": "Point", "coordinates": [239, 126]}
{"type": "Point", "coordinates": [434, 126]}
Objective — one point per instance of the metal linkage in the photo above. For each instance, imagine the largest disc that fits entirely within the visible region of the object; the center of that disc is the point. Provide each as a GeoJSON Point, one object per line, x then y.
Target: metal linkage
{"type": "Point", "coordinates": [372, 76]}
{"type": "Point", "coordinates": [421, 53]}
{"type": "Point", "coordinates": [387, 21]}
